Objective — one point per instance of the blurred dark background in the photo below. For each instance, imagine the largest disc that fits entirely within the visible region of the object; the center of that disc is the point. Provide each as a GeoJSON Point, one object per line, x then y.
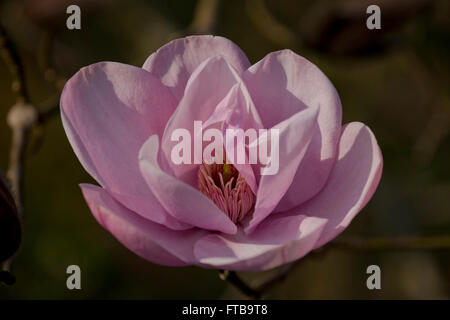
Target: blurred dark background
{"type": "Point", "coordinates": [396, 80]}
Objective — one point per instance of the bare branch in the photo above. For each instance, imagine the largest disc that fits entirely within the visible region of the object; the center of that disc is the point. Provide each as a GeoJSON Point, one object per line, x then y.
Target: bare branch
{"type": "Point", "coordinates": [403, 243]}
{"type": "Point", "coordinates": [354, 244]}
{"type": "Point", "coordinates": [48, 109]}
{"type": "Point", "coordinates": [12, 60]}
{"type": "Point", "coordinates": [232, 278]}
{"type": "Point", "coordinates": [45, 61]}
{"type": "Point", "coordinates": [21, 119]}
{"type": "Point", "coordinates": [205, 17]}
{"type": "Point", "coordinates": [269, 26]}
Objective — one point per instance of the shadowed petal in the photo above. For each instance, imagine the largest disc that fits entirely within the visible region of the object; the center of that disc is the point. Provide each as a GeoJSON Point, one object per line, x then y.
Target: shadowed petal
{"type": "Point", "coordinates": [351, 184]}
{"type": "Point", "coordinates": [108, 110]}
{"type": "Point", "coordinates": [279, 239]}
{"type": "Point", "coordinates": [282, 84]}
{"type": "Point", "coordinates": [294, 139]}
{"type": "Point", "coordinates": [149, 240]}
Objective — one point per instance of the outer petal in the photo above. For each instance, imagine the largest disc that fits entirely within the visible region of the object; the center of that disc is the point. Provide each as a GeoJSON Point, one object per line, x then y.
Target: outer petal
{"type": "Point", "coordinates": [282, 84]}
{"type": "Point", "coordinates": [278, 240]}
{"type": "Point", "coordinates": [208, 85]}
{"type": "Point", "coordinates": [295, 137]}
{"type": "Point", "coordinates": [180, 199]}
{"type": "Point", "coordinates": [176, 61]}
{"type": "Point", "coordinates": [108, 110]}
{"type": "Point", "coordinates": [351, 184]}
{"type": "Point", "coordinates": [149, 240]}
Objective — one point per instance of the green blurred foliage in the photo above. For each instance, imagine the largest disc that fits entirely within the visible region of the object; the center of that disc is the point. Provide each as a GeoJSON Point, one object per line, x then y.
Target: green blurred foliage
{"type": "Point", "coordinates": [400, 91]}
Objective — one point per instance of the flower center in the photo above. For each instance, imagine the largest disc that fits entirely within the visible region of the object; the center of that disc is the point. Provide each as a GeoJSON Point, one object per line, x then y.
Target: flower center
{"type": "Point", "coordinates": [227, 188]}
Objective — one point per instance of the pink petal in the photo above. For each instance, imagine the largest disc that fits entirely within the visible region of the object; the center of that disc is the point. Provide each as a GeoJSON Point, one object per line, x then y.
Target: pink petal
{"type": "Point", "coordinates": [279, 239]}
{"type": "Point", "coordinates": [208, 85]}
{"type": "Point", "coordinates": [176, 61]}
{"type": "Point", "coordinates": [182, 201]}
{"type": "Point", "coordinates": [149, 240]}
{"type": "Point", "coordinates": [108, 110]}
{"type": "Point", "coordinates": [237, 111]}
{"type": "Point", "coordinates": [282, 84]}
{"type": "Point", "coordinates": [351, 184]}
{"type": "Point", "coordinates": [295, 136]}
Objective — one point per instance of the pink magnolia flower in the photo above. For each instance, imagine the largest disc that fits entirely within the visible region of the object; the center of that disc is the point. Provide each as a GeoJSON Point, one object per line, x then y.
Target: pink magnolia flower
{"type": "Point", "coordinates": [118, 119]}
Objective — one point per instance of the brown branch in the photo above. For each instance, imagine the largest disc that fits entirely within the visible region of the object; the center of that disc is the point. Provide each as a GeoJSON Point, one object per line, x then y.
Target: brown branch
{"type": "Point", "coordinates": [48, 109]}
{"type": "Point", "coordinates": [437, 128]}
{"type": "Point", "coordinates": [12, 60]}
{"type": "Point", "coordinates": [353, 243]}
{"type": "Point", "coordinates": [268, 284]}
{"type": "Point", "coordinates": [400, 243]}
{"type": "Point", "coordinates": [205, 17]}
{"type": "Point", "coordinates": [204, 21]}
{"type": "Point", "coordinates": [278, 278]}
{"type": "Point", "coordinates": [45, 61]}
{"type": "Point", "coordinates": [22, 117]}
{"type": "Point", "coordinates": [232, 278]}
{"type": "Point", "coordinates": [269, 26]}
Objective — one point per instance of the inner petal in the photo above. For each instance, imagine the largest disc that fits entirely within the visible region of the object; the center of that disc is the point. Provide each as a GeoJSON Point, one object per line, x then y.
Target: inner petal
{"type": "Point", "coordinates": [227, 188]}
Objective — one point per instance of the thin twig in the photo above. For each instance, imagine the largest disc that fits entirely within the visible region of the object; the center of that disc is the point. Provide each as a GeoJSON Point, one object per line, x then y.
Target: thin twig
{"type": "Point", "coordinates": [12, 60]}
{"type": "Point", "coordinates": [269, 26]}
{"type": "Point", "coordinates": [268, 284]}
{"type": "Point", "coordinates": [46, 63]}
{"type": "Point", "coordinates": [48, 109]}
{"type": "Point", "coordinates": [353, 243]}
{"type": "Point", "coordinates": [204, 21]}
{"type": "Point", "coordinates": [278, 278]}
{"type": "Point", "coordinates": [21, 118]}
{"type": "Point", "coordinates": [205, 17]}
{"type": "Point", "coordinates": [386, 243]}
{"type": "Point", "coordinates": [232, 278]}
